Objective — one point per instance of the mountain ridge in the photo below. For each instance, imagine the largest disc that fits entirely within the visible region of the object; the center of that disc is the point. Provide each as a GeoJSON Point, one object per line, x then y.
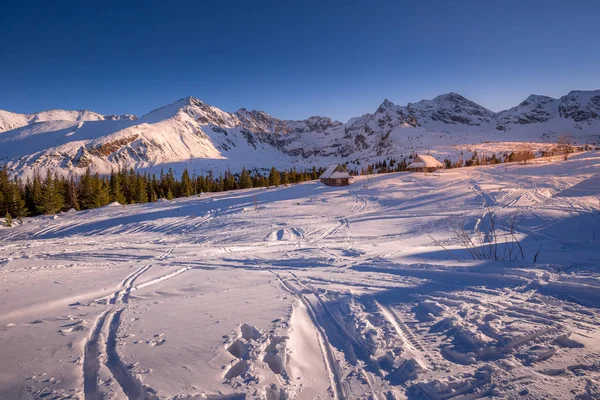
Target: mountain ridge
{"type": "Point", "coordinates": [193, 133]}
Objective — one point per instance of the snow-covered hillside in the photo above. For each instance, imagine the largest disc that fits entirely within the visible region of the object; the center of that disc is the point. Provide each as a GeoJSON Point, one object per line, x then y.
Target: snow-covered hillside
{"type": "Point", "coordinates": [313, 292]}
{"type": "Point", "coordinates": [192, 134]}
{"type": "Point", "coordinates": [9, 120]}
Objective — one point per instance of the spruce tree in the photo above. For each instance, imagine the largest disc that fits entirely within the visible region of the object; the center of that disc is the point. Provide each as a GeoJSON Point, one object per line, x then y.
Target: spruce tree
{"type": "Point", "coordinates": [285, 178]}
{"type": "Point", "coordinates": [187, 187]}
{"type": "Point", "coordinates": [245, 180]}
{"type": "Point", "coordinates": [274, 178]}
{"type": "Point", "coordinates": [116, 188]}
{"type": "Point", "coordinates": [52, 200]}
{"type": "Point", "coordinates": [17, 202]}
{"type": "Point", "coordinates": [101, 191]}
{"type": "Point", "coordinates": [141, 194]}
{"type": "Point", "coordinates": [72, 198]}
{"type": "Point", "coordinates": [86, 191]}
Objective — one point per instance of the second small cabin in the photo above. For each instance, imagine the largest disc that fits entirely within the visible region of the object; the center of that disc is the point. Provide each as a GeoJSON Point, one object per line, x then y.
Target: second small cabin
{"type": "Point", "coordinates": [424, 164]}
{"type": "Point", "coordinates": [335, 175]}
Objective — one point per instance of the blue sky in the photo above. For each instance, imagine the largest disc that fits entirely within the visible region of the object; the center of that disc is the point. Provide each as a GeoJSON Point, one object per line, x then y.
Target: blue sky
{"type": "Point", "coordinates": [292, 59]}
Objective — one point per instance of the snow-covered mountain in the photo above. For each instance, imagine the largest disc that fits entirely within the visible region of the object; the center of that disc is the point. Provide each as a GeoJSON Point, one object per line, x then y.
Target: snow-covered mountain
{"type": "Point", "coordinates": [451, 108]}
{"type": "Point", "coordinates": [190, 133]}
{"type": "Point", "coordinates": [10, 120]}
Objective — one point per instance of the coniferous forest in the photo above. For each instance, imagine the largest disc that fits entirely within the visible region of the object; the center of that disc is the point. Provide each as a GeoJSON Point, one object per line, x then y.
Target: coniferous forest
{"type": "Point", "coordinates": [51, 193]}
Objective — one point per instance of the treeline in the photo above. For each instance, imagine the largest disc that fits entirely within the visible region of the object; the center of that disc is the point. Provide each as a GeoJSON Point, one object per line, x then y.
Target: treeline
{"type": "Point", "coordinates": [51, 193]}
{"type": "Point", "coordinates": [380, 167]}
{"type": "Point", "coordinates": [477, 159]}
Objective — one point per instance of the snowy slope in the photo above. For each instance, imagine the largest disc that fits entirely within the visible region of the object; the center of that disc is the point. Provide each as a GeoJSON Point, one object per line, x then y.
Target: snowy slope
{"type": "Point", "coordinates": [190, 133]}
{"type": "Point", "coordinates": [313, 292]}
{"type": "Point", "coordinates": [9, 120]}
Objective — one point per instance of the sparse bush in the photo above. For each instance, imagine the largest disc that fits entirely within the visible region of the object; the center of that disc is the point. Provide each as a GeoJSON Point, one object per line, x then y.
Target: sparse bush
{"type": "Point", "coordinates": [564, 147]}
{"type": "Point", "coordinates": [522, 156]}
{"type": "Point", "coordinates": [488, 242]}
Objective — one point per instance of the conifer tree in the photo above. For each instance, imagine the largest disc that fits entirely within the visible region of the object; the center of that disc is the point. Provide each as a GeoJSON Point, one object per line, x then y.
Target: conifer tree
{"type": "Point", "coordinates": [313, 174]}
{"type": "Point", "coordinates": [245, 179]}
{"type": "Point", "coordinates": [229, 182]}
{"type": "Point", "coordinates": [116, 188]}
{"type": "Point", "coordinates": [72, 196]}
{"type": "Point", "coordinates": [141, 195]}
{"type": "Point", "coordinates": [187, 187]}
{"type": "Point", "coordinates": [36, 194]}
{"type": "Point", "coordinates": [101, 191]}
{"type": "Point", "coordinates": [52, 200]}
{"type": "Point", "coordinates": [86, 191]}
{"type": "Point", "coordinates": [274, 178]}
{"type": "Point", "coordinates": [285, 178]}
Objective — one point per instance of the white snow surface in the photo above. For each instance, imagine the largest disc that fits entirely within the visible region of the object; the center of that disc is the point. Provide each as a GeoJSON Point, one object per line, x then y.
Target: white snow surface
{"type": "Point", "coordinates": [191, 134]}
{"type": "Point", "coordinates": [311, 291]}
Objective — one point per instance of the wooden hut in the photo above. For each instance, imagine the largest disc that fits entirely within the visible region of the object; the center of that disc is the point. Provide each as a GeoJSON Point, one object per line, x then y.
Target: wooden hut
{"type": "Point", "coordinates": [424, 164]}
{"type": "Point", "coordinates": [335, 175]}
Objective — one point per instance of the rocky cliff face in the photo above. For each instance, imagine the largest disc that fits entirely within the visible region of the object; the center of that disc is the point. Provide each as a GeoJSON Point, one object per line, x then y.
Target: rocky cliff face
{"type": "Point", "coordinates": [580, 106]}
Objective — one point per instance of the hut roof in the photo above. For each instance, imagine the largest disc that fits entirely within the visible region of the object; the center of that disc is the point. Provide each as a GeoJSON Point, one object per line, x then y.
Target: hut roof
{"type": "Point", "coordinates": [334, 171]}
{"type": "Point", "coordinates": [425, 162]}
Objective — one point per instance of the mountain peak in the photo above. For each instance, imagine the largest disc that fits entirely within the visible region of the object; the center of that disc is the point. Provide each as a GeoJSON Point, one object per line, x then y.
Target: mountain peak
{"type": "Point", "coordinates": [451, 96]}
{"type": "Point", "coordinates": [387, 103]}
{"type": "Point", "coordinates": [385, 106]}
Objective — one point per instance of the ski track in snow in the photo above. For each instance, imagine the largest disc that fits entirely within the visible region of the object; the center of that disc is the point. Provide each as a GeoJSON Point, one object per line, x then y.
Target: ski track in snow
{"type": "Point", "coordinates": [331, 362]}
{"type": "Point", "coordinates": [108, 322]}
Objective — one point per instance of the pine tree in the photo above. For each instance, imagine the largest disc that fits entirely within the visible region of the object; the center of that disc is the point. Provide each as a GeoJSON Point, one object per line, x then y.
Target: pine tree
{"type": "Point", "coordinates": [141, 195]}
{"type": "Point", "coordinates": [201, 184]}
{"type": "Point", "coordinates": [229, 181]}
{"type": "Point", "coordinates": [72, 196]}
{"type": "Point", "coordinates": [101, 191]}
{"type": "Point", "coordinates": [11, 199]}
{"type": "Point", "coordinates": [17, 202]}
{"type": "Point", "coordinates": [187, 187]}
{"type": "Point", "coordinates": [285, 178]}
{"type": "Point", "coordinates": [169, 195]}
{"type": "Point", "coordinates": [313, 174]}
{"type": "Point", "coordinates": [86, 191]}
{"type": "Point", "coordinates": [116, 188]}
{"type": "Point", "coordinates": [132, 187]}
{"type": "Point", "coordinates": [245, 179]}
{"type": "Point", "coordinates": [274, 178]}
{"type": "Point", "coordinates": [52, 200]}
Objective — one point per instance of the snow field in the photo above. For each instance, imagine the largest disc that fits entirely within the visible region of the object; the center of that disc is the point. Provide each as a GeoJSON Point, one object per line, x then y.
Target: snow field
{"type": "Point", "coordinates": [318, 292]}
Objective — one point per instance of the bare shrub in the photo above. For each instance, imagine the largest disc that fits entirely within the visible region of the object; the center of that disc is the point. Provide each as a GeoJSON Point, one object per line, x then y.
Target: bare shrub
{"type": "Point", "coordinates": [488, 241]}
{"type": "Point", "coordinates": [522, 154]}
{"type": "Point", "coordinates": [564, 147]}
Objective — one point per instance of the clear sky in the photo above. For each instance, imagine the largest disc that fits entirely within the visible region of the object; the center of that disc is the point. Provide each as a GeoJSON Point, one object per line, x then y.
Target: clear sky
{"type": "Point", "coordinates": [292, 59]}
